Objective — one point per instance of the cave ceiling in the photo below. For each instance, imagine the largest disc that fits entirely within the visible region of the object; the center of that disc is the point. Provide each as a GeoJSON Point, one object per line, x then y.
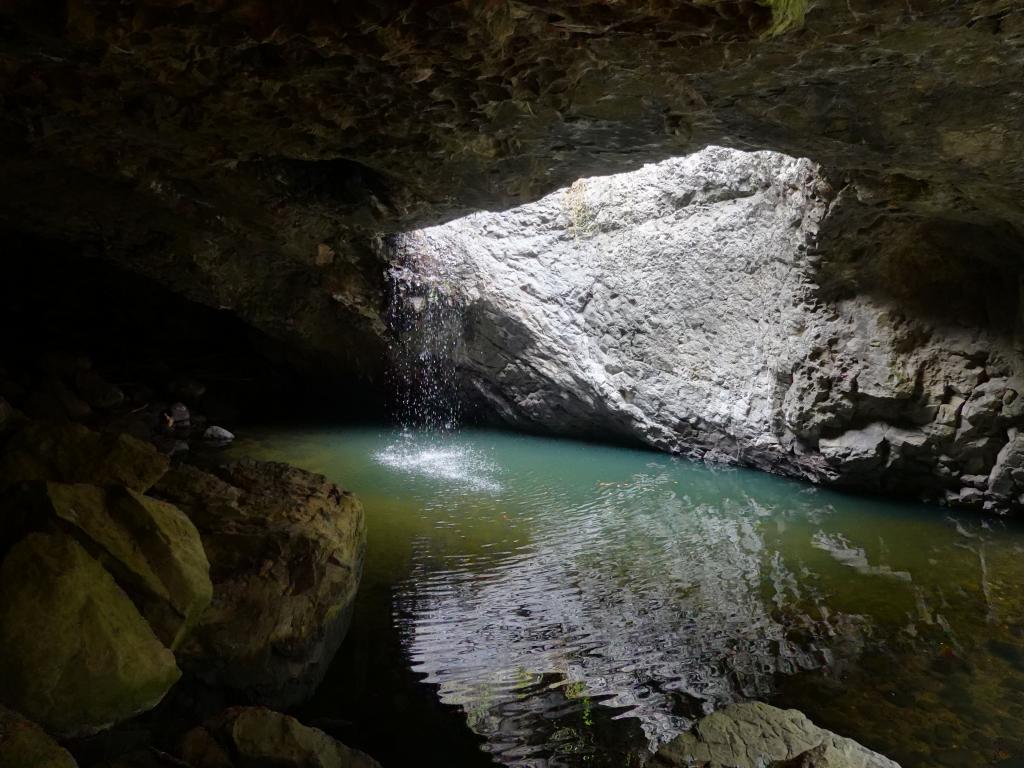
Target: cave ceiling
{"type": "Point", "coordinates": [242, 151]}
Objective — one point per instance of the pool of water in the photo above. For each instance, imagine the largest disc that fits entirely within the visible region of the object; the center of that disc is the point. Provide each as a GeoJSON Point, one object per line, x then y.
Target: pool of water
{"type": "Point", "coordinates": [539, 602]}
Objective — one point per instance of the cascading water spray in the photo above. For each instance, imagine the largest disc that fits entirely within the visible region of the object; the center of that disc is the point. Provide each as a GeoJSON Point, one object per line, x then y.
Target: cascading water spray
{"type": "Point", "coordinates": [425, 316]}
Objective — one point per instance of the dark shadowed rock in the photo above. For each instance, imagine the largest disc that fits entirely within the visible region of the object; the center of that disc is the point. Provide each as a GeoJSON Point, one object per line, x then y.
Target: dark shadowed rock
{"type": "Point", "coordinates": [97, 391]}
{"type": "Point", "coordinates": [71, 453]}
{"type": "Point", "coordinates": [23, 744]}
{"type": "Point", "coordinates": [254, 737]}
{"type": "Point", "coordinates": [286, 552]}
{"type": "Point", "coordinates": [755, 735]}
{"type": "Point", "coordinates": [77, 655]}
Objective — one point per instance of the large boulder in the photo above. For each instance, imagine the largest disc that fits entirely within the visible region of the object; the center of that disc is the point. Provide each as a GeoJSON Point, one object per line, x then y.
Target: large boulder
{"type": "Point", "coordinates": [23, 744]}
{"type": "Point", "coordinates": [72, 453]}
{"type": "Point", "coordinates": [286, 553]}
{"type": "Point", "coordinates": [151, 547]}
{"type": "Point", "coordinates": [77, 655]}
{"type": "Point", "coordinates": [254, 737]}
{"type": "Point", "coordinates": [756, 735]}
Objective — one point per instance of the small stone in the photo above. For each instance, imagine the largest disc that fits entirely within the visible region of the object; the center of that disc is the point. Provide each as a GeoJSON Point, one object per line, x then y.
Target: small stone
{"type": "Point", "coordinates": [971, 497]}
{"type": "Point", "coordinates": [215, 434]}
{"type": "Point", "coordinates": [975, 481]}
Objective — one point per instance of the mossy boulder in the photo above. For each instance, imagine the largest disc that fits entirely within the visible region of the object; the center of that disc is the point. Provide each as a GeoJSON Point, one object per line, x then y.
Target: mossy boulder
{"type": "Point", "coordinates": [23, 744]}
{"type": "Point", "coordinates": [254, 737]}
{"type": "Point", "coordinates": [71, 453]}
{"type": "Point", "coordinates": [150, 547]}
{"type": "Point", "coordinates": [286, 556]}
{"type": "Point", "coordinates": [77, 655]}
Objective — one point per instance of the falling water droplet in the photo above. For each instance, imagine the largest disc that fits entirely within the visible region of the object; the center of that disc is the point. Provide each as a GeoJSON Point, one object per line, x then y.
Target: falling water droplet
{"type": "Point", "coordinates": [426, 321]}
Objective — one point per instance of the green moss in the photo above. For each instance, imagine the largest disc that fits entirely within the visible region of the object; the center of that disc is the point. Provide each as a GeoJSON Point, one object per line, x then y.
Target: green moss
{"type": "Point", "coordinates": [77, 656]}
{"type": "Point", "coordinates": [786, 15]}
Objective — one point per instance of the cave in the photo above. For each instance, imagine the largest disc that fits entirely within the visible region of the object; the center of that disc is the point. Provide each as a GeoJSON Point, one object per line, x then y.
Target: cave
{"type": "Point", "coordinates": [452, 383]}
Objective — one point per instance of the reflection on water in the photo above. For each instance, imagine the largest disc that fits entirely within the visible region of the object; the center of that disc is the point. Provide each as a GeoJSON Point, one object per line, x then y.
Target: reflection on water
{"type": "Point", "coordinates": [580, 604]}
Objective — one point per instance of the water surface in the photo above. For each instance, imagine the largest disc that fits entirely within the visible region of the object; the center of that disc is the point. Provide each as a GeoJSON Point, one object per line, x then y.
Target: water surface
{"type": "Point", "coordinates": [552, 603]}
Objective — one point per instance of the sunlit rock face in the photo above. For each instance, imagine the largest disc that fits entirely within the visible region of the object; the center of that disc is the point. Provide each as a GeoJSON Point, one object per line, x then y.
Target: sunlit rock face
{"type": "Point", "coordinates": [716, 306]}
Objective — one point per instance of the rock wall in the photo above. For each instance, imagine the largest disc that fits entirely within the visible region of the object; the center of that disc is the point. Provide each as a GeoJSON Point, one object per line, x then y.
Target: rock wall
{"type": "Point", "coordinates": [240, 152]}
{"type": "Point", "coordinates": [736, 307]}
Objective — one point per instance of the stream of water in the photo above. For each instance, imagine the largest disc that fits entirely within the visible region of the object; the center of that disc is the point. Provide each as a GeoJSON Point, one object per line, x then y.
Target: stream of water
{"type": "Point", "coordinates": [542, 602]}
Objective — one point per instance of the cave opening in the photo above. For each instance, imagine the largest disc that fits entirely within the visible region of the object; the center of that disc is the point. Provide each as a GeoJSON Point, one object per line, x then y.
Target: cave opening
{"type": "Point", "coordinates": [564, 384]}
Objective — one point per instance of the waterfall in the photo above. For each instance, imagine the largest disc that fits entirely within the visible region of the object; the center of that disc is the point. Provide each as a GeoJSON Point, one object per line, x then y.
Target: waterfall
{"type": "Point", "coordinates": [425, 317]}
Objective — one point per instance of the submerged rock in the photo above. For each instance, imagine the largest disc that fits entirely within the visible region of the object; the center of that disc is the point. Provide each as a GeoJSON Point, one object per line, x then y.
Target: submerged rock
{"type": "Point", "coordinates": [286, 554]}
{"type": "Point", "coordinates": [756, 735]}
{"type": "Point", "coordinates": [253, 737]}
{"type": "Point", "coordinates": [23, 744]}
{"type": "Point", "coordinates": [77, 655]}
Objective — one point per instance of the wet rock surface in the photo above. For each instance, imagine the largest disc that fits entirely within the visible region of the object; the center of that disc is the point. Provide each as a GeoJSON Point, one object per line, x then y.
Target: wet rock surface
{"type": "Point", "coordinates": [756, 735]}
{"type": "Point", "coordinates": [286, 552]}
{"type": "Point", "coordinates": [694, 306]}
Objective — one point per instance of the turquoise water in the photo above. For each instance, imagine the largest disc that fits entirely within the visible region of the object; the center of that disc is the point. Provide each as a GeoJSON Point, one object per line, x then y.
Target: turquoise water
{"type": "Point", "coordinates": [545, 602]}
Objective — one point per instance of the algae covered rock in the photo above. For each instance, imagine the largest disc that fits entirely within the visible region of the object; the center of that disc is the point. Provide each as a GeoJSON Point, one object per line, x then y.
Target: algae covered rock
{"type": "Point", "coordinates": [77, 655]}
{"type": "Point", "coordinates": [152, 549]}
{"type": "Point", "coordinates": [23, 744]}
{"type": "Point", "coordinates": [286, 554]}
{"type": "Point", "coordinates": [253, 737]}
{"type": "Point", "coordinates": [72, 453]}
{"type": "Point", "coordinates": [756, 735]}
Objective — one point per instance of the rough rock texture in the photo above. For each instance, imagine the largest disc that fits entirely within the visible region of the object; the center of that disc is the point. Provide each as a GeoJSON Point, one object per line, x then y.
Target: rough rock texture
{"type": "Point", "coordinates": [150, 546]}
{"type": "Point", "coordinates": [253, 737]}
{"type": "Point", "coordinates": [99, 582]}
{"type": "Point", "coordinates": [755, 735]}
{"type": "Point", "coordinates": [77, 656]}
{"type": "Point", "coordinates": [693, 305]}
{"type": "Point", "coordinates": [71, 453]}
{"type": "Point", "coordinates": [286, 555]}
{"type": "Point", "coordinates": [23, 744]}
{"type": "Point", "coordinates": [239, 151]}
